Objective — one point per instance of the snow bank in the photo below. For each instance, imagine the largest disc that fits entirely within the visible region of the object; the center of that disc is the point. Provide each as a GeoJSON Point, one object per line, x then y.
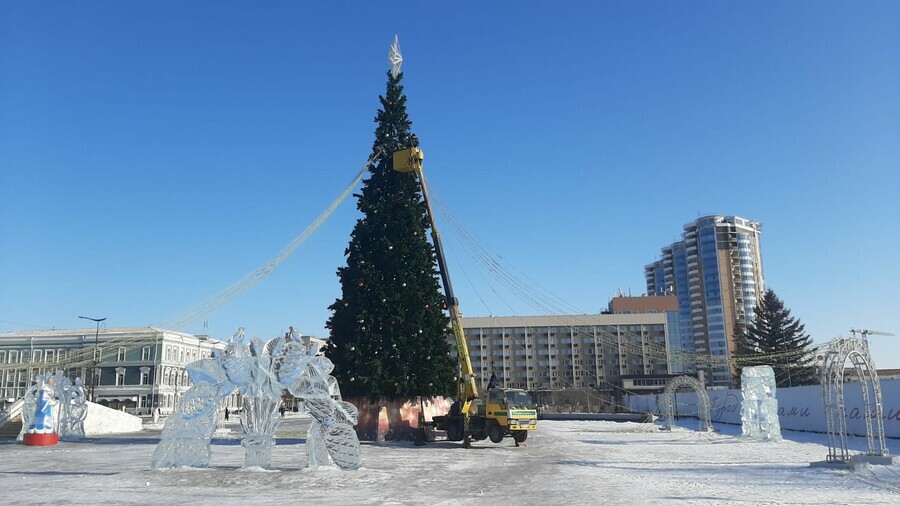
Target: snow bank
{"type": "Point", "coordinates": [102, 420]}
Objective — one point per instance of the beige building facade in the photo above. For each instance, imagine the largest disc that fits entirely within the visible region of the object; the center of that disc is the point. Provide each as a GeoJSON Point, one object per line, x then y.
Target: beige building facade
{"type": "Point", "coordinates": [568, 351]}
{"type": "Point", "coordinates": [134, 368]}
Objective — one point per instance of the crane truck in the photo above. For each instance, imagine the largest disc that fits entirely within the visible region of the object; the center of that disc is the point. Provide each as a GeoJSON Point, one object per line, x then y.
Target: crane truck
{"type": "Point", "coordinates": [496, 413]}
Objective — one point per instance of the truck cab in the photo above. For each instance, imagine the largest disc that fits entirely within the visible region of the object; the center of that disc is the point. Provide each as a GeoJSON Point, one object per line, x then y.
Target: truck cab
{"type": "Point", "coordinates": [508, 411]}
{"type": "Point", "coordinates": [498, 413]}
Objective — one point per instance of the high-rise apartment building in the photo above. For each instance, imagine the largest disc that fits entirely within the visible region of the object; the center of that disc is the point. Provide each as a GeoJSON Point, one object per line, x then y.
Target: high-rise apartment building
{"type": "Point", "coordinates": [716, 273]}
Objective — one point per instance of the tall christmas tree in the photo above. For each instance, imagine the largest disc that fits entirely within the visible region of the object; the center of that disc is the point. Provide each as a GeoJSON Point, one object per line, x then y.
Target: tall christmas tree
{"type": "Point", "coordinates": [388, 329]}
{"type": "Point", "coordinates": [777, 339]}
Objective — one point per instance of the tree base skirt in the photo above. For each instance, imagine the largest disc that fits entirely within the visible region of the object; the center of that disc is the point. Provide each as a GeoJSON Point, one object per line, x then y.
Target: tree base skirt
{"type": "Point", "coordinates": [388, 419]}
{"type": "Point", "coordinates": [40, 439]}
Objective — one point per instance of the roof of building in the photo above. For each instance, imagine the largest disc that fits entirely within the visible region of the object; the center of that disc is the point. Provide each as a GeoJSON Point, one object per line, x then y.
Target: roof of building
{"type": "Point", "coordinates": [564, 320]}
{"type": "Point", "coordinates": [92, 331]}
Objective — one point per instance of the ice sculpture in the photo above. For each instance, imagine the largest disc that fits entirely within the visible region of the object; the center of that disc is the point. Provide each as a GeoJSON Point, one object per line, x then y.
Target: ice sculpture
{"type": "Point", "coordinates": [29, 406]}
{"type": "Point", "coordinates": [74, 408]}
{"type": "Point", "coordinates": [260, 372]}
{"type": "Point", "coordinates": [759, 409]}
{"type": "Point", "coordinates": [54, 405]}
{"type": "Point", "coordinates": [331, 436]}
{"type": "Point", "coordinates": [44, 421]}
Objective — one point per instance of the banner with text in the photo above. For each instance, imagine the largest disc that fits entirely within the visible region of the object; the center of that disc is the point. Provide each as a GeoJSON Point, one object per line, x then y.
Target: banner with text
{"type": "Point", "coordinates": [799, 408]}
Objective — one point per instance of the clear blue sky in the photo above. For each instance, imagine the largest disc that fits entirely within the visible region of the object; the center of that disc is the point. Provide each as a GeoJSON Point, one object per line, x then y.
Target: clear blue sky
{"type": "Point", "coordinates": [153, 153]}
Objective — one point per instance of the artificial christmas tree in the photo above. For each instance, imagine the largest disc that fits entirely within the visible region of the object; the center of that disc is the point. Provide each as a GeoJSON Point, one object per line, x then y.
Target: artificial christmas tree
{"type": "Point", "coordinates": [388, 329]}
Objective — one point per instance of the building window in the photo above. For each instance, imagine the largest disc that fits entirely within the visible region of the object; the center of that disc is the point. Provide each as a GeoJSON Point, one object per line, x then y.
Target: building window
{"type": "Point", "coordinates": [145, 353]}
{"type": "Point", "coordinates": [145, 375]}
{"type": "Point", "coordinates": [120, 376]}
{"type": "Point", "coordinates": [38, 356]}
{"type": "Point", "coordinates": [2, 357]}
{"type": "Point", "coordinates": [121, 354]}
{"type": "Point", "coordinates": [49, 356]}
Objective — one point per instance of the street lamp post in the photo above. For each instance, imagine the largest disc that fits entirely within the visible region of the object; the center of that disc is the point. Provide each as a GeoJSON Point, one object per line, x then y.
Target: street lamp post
{"type": "Point", "coordinates": [96, 339]}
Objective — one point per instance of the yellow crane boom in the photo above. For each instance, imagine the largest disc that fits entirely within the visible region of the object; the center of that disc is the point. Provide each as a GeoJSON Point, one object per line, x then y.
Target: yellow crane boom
{"type": "Point", "coordinates": [410, 160]}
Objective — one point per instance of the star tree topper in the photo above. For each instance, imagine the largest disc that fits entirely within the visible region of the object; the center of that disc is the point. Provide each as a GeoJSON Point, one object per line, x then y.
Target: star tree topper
{"type": "Point", "coordinates": [395, 58]}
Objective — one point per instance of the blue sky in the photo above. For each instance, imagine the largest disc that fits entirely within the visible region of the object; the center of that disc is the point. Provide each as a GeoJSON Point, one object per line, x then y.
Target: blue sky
{"type": "Point", "coordinates": [153, 153]}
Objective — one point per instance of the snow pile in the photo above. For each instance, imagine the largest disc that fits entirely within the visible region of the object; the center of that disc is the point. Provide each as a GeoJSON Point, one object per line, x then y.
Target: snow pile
{"type": "Point", "coordinates": [102, 420]}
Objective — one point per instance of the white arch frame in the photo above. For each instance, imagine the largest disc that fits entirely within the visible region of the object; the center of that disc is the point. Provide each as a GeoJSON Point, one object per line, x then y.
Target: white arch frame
{"type": "Point", "coordinates": [831, 376]}
{"type": "Point", "coordinates": [668, 403]}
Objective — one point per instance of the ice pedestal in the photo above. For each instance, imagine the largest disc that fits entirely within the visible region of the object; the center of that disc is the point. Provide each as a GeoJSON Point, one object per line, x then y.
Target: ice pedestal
{"type": "Point", "coordinates": [260, 420]}
{"type": "Point", "coordinates": [258, 450]}
{"type": "Point", "coordinates": [40, 439]}
{"type": "Point", "coordinates": [181, 452]}
{"type": "Point", "coordinates": [759, 409]}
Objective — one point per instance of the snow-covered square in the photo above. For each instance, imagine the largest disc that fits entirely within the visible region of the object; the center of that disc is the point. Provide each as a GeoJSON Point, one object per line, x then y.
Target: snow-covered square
{"type": "Point", "coordinates": [565, 462]}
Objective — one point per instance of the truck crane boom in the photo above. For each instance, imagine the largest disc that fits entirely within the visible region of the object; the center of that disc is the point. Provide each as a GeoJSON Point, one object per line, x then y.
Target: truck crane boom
{"type": "Point", "coordinates": [410, 160]}
{"type": "Point", "coordinates": [497, 413]}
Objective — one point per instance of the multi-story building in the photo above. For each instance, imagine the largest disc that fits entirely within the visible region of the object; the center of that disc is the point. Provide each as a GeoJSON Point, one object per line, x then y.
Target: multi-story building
{"type": "Point", "coordinates": [716, 273]}
{"type": "Point", "coordinates": [132, 368]}
{"type": "Point", "coordinates": [667, 304]}
{"type": "Point", "coordinates": [550, 353]}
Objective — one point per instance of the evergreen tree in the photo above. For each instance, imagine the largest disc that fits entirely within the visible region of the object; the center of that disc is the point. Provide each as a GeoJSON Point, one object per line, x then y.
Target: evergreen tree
{"type": "Point", "coordinates": [388, 329]}
{"type": "Point", "coordinates": [775, 333]}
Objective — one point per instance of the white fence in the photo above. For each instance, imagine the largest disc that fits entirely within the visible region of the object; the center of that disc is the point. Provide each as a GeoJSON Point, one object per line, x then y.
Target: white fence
{"type": "Point", "coordinates": [799, 408]}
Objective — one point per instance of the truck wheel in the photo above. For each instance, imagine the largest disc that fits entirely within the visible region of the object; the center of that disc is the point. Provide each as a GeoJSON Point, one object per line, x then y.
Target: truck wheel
{"type": "Point", "coordinates": [454, 432]}
{"type": "Point", "coordinates": [495, 433]}
{"type": "Point", "coordinates": [520, 435]}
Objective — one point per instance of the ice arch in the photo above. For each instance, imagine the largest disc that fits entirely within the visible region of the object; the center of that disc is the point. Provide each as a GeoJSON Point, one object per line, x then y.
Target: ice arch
{"type": "Point", "coordinates": [668, 404]}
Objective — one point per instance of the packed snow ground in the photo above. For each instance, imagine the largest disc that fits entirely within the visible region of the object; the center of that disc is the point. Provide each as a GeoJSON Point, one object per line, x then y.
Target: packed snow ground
{"type": "Point", "coordinates": [565, 462]}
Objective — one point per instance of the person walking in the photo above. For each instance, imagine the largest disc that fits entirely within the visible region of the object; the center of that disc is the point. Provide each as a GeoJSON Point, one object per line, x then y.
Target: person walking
{"type": "Point", "coordinates": [226, 414]}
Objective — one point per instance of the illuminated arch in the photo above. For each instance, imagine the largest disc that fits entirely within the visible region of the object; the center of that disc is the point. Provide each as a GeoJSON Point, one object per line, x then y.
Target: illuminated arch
{"type": "Point", "coordinates": [832, 378]}
{"type": "Point", "coordinates": [668, 404]}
